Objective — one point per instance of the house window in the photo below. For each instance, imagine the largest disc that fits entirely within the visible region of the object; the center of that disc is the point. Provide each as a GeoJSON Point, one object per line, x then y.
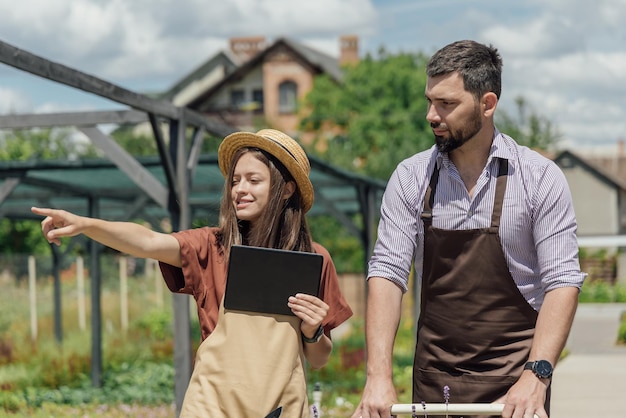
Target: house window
{"type": "Point", "coordinates": [236, 98]}
{"type": "Point", "coordinates": [287, 96]}
{"type": "Point", "coordinates": [257, 98]}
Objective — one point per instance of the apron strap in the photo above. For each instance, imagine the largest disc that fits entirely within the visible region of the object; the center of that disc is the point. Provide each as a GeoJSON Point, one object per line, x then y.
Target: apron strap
{"type": "Point", "coordinates": [429, 197]}
{"type": "Point", "coordinates": [498, 201]}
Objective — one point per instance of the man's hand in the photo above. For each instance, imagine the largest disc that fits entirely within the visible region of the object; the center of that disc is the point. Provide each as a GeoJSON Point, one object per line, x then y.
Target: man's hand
{"type": "Point", "coordinates": [378, 397]}
{"type": "Point", "coordinates": [526, 397]}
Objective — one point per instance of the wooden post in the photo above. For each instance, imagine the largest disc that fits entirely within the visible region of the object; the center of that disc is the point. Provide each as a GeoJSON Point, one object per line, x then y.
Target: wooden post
{"type": "Point", "coordinates": [124, 293]}
{"type": "Point", "coordinates": [32, 291]}
{"type": "Point", "coordinates": [80, 284]}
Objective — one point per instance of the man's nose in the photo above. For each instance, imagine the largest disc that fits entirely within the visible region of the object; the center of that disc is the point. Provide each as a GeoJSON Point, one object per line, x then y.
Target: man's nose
{"type": "Point", "coordinates": [431, 114]}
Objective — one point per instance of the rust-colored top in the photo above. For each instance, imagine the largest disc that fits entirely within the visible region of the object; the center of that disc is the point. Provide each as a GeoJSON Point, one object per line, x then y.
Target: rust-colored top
{"type": "Point", "coordinates": [203, 275]}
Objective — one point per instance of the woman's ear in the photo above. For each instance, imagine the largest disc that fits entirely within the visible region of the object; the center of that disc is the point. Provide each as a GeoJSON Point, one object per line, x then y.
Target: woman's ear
{"type": "Point", "coordinates": [290, 189]}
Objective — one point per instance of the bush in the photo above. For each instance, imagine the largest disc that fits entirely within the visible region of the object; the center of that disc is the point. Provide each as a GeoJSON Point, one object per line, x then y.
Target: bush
{"type": "Point", "coordinates": [602, 292]}
{"type": "Point", "coordinates": [621, 334]}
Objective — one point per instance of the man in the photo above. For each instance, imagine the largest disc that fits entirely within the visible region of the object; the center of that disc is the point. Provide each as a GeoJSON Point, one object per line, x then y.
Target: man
{"type": "Point", "coordinates": [491, 230]}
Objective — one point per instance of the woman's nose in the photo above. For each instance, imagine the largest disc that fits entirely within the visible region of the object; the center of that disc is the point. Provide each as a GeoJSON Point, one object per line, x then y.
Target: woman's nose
{"type": "Point", "coordinates": [240, 187]}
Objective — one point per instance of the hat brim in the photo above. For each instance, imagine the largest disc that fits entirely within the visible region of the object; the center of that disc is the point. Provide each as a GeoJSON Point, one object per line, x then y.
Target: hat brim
{"type": "Point", "coordinates": [284, 151]}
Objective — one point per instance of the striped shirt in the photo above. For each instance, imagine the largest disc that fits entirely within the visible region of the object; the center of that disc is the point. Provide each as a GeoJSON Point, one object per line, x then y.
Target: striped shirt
{"type": "Point", "coordinates": [537, 228]}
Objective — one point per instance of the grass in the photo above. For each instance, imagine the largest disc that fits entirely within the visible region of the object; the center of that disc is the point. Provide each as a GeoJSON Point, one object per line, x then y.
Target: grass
{"type": "Point", "coordinates": [41, 377]}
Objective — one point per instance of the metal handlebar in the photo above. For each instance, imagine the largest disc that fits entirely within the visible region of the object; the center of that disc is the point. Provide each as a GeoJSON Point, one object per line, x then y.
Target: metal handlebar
{"type": "Point", "coordinates": [442, 409]}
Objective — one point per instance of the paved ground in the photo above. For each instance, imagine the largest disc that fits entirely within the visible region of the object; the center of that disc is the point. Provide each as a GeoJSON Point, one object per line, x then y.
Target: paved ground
{"type": "Point", "coordinates": [591, 380]}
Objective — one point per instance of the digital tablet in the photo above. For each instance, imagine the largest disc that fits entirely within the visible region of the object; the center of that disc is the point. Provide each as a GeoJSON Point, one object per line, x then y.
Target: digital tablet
{"type": "Point", "coordinates": [262, 279]}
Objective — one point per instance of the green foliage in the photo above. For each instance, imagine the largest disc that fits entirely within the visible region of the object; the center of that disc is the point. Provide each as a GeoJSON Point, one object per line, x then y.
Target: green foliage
{"type": "Point", "coordinates": [11, 402]}
{"type": "Point", "coordinates": [375, 118]}
{"type": "Point", "coordinates": [147, 383]}
{"type": "Point", "coordinates": [342, 379]}
{"type": "Point", "coordinates": [157, 323]}
{"type": "Point", "coordinates": [621, 334]}
{"type": "Point", "coordinates": [142, 144]}
{"type": "Point", "coordinates": [21, 236]}
{"type": "Point", "coordinates": [345, 249]}
{"type": "Point", "coordinates": [37, 144]}
{"type": "Point", "coordinates": [40, 144]}
{"type": "Point", "coordinates": [528, 128]}
{"type": "Point", "coordinates": [601, 292]}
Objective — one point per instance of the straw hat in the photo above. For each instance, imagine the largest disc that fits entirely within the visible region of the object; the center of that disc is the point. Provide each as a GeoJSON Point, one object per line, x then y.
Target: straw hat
{"type": "Point", "coordinates": [281, 146]}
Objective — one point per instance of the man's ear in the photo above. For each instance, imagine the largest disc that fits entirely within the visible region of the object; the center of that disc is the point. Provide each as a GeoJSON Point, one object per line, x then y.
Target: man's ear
{"type": "Point", "coordinates": [290, 189]}
{"type": "Point", "coordinates": [489, 103]}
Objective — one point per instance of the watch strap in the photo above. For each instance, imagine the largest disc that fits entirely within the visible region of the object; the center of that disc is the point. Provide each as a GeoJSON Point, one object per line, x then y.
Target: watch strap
{"type": "Point", "coordinates": [316, 337]}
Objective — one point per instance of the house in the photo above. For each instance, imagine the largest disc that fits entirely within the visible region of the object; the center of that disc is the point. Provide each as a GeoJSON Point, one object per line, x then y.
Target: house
{"type": "Point", "coordinates": [259, 83]}
{"type": "Point", "coordinates": [598, 187]}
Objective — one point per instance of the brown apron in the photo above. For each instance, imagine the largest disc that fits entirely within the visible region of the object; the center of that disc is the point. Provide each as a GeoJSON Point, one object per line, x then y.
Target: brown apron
{"type": "Point", "coordinates": [250, 365]}
{"type": "Point", "coordinates": [475, 328]}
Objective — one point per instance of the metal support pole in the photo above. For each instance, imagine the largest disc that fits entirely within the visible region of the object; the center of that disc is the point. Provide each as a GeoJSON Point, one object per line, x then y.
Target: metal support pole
{"type": "Point", "coordinates": [96, 311]}
{"type": "Point", "coordinates": [56, 273]}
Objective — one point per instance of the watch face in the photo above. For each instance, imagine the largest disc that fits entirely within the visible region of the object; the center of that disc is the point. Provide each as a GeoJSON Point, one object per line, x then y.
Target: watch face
{"type": "Point", "coordinates": [543, 369]}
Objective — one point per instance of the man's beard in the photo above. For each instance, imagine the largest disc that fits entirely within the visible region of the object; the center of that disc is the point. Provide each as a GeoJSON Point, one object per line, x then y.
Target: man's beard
{"type": "Point", "coordinates": [458, 137]}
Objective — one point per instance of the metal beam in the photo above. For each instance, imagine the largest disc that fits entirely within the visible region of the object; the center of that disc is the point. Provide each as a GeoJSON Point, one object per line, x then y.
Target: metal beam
{"type": "Point", "coordinates": [51, 120]}
{"type": "Point", "coordinates": [181, 220]}
{"type": "Point", "coordinates": [166, 158]}
{"type": "Point", "coordinates": [95, 279]}
{"type": "Point", "coordinates": [341, 217]}
{"type": "Point", "coordinates": [34, 64]}
{"type": "Point", "coordinates": [602, 241]}
{"type": "Point", "coordinates": [129, 165]}
{"type": "Point", "coordinates": [7, 187]}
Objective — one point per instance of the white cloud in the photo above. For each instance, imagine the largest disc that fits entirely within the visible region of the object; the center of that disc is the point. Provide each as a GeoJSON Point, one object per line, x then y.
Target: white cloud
{"type": "Point", "coordinates": [567, 58]}
{"type": "Point", "coordinates": [123, 40]}
{"type": "Point", "coordinates": [13, 101]}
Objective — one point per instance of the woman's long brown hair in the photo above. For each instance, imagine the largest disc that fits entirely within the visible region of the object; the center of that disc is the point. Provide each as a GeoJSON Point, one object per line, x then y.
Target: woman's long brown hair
{"type": "Point", "coordinates": [281, 225]}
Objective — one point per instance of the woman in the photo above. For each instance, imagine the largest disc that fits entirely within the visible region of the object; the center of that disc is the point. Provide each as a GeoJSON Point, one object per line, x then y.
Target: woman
{"type": "Point", "coordinates": [247, 364]}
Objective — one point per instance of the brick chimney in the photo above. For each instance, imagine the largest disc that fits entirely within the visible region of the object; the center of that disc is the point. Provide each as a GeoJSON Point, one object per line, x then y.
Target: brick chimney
{"type": "Point", "coordinates": [620, 147]}
{"type": "Point", "coordinates": [349, 49]}
{"type": "Point", "coordinates": [248, 46]}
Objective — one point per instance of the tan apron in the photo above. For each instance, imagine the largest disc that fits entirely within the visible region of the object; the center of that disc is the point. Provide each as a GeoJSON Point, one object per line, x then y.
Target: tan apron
{"type": "Point", "coordinates": [475, 328]}
{"type": "Point", "coordinates": [250, 365]}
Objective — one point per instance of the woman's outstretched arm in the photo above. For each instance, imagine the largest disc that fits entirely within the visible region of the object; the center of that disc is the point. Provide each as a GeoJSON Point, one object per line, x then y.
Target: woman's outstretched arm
{"type": "Point", "coordinates": [126, 237]}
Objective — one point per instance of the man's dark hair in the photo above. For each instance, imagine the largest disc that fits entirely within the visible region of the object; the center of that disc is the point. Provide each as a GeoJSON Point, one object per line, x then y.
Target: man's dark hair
{"type": "Point", "coordinates": [479, 65]}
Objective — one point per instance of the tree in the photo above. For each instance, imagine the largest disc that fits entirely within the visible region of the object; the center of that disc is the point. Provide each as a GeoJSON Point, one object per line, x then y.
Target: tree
{"type": "Point", "coordinates": [372, 120]}
{"type": "Point", "coordinates": [137, 143]}
{"type": "Point", "coordinates": [376, 116]}
{"type": "Point", "coordinates": [42, 144]}
{"type": "Point", "coordinates": [528, 128]}
{"type": "Point", "coordinates": [24, 236]}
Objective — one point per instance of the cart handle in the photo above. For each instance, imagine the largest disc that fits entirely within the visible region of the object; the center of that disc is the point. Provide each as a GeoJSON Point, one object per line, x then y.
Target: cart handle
{"type": "Point", "coordinates": [440, 409]}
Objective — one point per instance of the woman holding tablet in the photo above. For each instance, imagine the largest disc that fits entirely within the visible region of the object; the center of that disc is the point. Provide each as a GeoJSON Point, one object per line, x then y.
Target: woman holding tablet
{"type": "Point", "coordinates": [248, 364]}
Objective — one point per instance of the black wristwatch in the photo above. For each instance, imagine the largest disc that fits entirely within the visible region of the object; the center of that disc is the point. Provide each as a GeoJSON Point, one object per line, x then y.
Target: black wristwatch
{"type": "Point", "coordinates": [541, 368]}
{"type": "Point", "coordinates": [315, 338]}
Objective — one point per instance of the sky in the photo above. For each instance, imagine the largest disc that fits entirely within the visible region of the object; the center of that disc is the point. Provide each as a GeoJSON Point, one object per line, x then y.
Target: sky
{"type": "Point", "coordinates": [566, 58]}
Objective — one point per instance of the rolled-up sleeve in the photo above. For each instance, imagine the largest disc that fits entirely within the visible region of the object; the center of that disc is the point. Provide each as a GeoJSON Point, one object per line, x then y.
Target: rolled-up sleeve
{"type": "Point", "coordinates": [398, 230]}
